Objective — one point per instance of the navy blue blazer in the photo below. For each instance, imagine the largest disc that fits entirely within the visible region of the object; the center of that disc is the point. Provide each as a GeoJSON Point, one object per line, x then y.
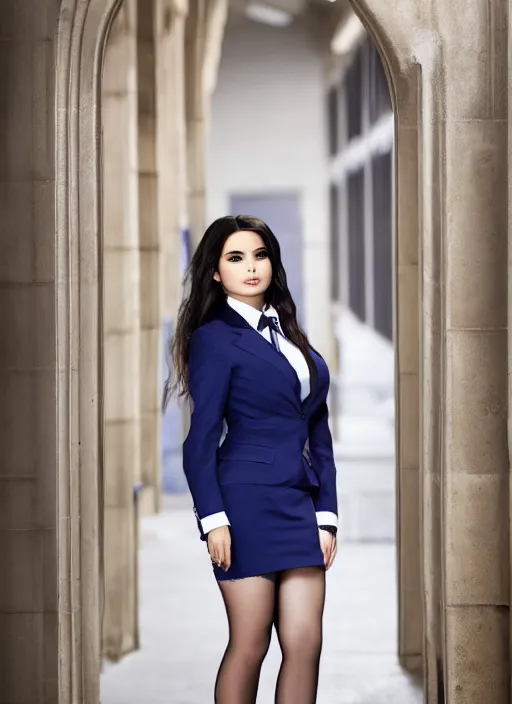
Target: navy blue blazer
{"type": "Point", "coordinates": [273, 438]}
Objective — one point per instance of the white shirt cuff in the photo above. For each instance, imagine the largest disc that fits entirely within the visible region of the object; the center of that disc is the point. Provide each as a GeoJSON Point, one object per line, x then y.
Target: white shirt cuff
{"type": "Point", "coordinates": [214, 520]}
{"type": "Point", "coordinates": [327, 518]}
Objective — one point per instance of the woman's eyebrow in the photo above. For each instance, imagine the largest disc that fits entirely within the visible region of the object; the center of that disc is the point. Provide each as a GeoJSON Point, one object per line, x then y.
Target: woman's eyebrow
{"type": "Point", "coordinates": [236, 251]}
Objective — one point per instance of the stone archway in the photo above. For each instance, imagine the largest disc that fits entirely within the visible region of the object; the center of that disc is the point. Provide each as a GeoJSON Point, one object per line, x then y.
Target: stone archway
{"type": "Point", "coordinates": [459, 337]}
{"type": "Point", "coordinates": [450, 93]}
{"type": "Point", "coordinates": [89, 30]}
{"type": "Point", "coordinates": [392, 30]}
{"type": "Point", "coordinates": [82, 32]}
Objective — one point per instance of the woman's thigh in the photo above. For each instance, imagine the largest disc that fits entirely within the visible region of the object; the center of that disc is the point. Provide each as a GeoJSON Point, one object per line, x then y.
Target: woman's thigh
{"type": "Point", "coordinates": [249, 606]}
{"type": "Point", "coordinates": [300, 607]}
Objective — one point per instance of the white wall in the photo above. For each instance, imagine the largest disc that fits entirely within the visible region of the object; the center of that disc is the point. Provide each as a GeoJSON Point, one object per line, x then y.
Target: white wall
{"type": "Point", "coordinates": [268, 134]}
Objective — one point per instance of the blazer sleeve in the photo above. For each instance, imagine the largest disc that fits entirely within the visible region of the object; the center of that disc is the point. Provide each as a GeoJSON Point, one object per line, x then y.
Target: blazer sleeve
{"type": "Point", "coordinates": [209, 378]}
{"type": "Point", "coordinates": [322, 458]}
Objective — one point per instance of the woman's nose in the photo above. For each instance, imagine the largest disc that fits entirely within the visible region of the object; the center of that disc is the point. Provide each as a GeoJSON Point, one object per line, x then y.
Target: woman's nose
{"type": "Point", "coordinates": [251, 266]}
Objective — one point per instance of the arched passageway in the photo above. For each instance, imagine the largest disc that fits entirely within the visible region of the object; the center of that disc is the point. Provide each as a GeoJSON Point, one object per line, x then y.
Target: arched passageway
{"type": "Point", "coordinates": [451, 109]}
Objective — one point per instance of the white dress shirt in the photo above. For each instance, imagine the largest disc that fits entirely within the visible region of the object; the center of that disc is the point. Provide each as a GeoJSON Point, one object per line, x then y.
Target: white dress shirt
{"type": "Point", "coordinates": [298, 362]}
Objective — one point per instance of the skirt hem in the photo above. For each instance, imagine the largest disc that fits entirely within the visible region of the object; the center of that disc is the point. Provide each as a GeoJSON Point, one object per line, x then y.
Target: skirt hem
{"type": "Point", "coordinates": [221, 576]}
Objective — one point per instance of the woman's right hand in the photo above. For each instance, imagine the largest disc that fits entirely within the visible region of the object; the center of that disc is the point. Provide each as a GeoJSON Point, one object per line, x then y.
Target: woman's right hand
{"type": "Point", "coordinates": [219, 547]}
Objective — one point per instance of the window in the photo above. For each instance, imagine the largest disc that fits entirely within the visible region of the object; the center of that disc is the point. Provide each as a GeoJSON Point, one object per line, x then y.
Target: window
{"type": "Point", "coordinates": [332, 108]}
{"type": "Point", "coordinates": [335, 242]}
{"type": "Point", "coordinates": [382, 174]}
{"type": "Point", "coordinates": [355, 188]}
{"type": "Point", "coordinates": [353, 92]}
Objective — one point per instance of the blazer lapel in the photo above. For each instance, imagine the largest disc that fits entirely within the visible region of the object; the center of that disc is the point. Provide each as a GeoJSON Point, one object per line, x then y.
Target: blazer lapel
{"type": "Point", "coordinates": [251, 341]}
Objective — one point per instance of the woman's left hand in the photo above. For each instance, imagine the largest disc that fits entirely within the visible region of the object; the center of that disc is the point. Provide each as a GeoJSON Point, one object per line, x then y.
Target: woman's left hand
{"type": "Point", "coordinates": [329, 546]}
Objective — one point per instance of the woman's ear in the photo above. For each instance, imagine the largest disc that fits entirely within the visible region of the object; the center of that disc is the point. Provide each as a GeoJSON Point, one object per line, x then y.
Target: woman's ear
{"type": "Point", "coordinates": [216, 277]}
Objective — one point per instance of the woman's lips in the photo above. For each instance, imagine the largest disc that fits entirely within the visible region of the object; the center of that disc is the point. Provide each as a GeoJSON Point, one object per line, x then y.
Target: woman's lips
{"type": "Point", "coordinates": [252, 282]}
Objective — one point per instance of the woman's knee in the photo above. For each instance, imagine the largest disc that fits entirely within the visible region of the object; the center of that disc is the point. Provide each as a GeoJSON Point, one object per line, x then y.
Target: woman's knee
{"type": "Point", "coordinates": [251, 650]}
{"type": "Point", "coordinates": [304, 645]}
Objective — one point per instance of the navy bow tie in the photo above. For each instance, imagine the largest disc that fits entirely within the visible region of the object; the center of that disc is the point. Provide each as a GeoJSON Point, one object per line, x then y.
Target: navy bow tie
{"type": "Point", "coordinates": [267, 321]}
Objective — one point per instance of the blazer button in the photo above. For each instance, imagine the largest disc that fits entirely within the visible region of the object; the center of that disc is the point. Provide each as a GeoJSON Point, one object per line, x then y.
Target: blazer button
{"type": "Point", "coordinates": [302, 415]}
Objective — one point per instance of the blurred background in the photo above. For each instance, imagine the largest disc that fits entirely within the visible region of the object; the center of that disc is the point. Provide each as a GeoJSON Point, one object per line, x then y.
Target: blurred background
{"type": "Point", "coordinates": [282, 110]}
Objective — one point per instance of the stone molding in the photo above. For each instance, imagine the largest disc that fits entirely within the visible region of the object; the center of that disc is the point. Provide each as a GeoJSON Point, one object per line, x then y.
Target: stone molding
{"type": "Point", "coordinates": [81, 38]}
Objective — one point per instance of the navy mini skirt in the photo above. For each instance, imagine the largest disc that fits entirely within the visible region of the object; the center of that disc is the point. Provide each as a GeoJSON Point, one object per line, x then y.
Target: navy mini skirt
{"type": "Point", "coordinates": [273, 528]}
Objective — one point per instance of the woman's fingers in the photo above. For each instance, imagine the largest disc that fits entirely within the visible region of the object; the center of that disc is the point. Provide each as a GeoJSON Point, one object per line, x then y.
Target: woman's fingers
{"type": "Point", "coordinates": [328, 544]}
{"type": "Point", "coordinates": [325, 545]}
{"type": "Point", "coordinates": [220, 554]}
{"type": "Point", "coordinates": [224, 553]}
{"type": "Point", "coordinates": [226, 561]}
{"type": "Point", "coordinates": [219, 547]}
{"type": "Point", "coordinates": [332, 555]}
{"type": "Point", "coordinates": [326, 554]}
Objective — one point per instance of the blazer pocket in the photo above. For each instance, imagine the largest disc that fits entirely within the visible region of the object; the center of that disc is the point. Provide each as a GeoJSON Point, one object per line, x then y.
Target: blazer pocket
{"type": "Point", "coordinates": [249, 453]}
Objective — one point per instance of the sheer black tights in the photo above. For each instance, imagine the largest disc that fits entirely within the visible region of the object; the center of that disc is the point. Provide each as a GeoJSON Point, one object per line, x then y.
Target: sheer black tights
{"type": "Point", "coordinates": [301, 597]}
{"type": "Point", "coordinates": [249, 606]}
{"type": "Point", "coordinates": [294, 603]}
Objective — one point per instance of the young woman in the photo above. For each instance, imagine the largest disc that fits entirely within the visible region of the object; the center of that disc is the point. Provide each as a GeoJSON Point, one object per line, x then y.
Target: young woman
{"type": "Point", "coordinates": [265, 496]}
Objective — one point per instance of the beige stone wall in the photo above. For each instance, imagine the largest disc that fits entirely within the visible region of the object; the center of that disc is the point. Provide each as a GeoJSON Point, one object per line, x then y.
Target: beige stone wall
{"type": "Point", "coordinates": [28, 353]}
{"type": "Point", "coordinates": [121, 336]}
{"type": "Point", "coordinates": [475, 539]}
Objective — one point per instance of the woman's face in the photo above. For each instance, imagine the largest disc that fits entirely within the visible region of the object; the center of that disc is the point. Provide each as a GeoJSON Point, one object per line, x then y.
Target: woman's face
{"type": "Point", "coordinates": [244, 268]}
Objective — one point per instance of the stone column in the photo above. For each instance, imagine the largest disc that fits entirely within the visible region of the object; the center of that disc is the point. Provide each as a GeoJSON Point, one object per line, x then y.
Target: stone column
{"type": "Point", "coordinates": [29, 376]}
{"type": "Point", "coordinates": [476, 585]}
{"type": "Point", "coordinates": [394, 30]}
{"type": "Point", "coordinates": [204, 33]}
{"type": "Point", "coordinates": [121, 276]}
{"type": "Point", "coordinates": [170, 16]}
{"type": "Point", "coordinates": [428, 54]}
{"type": "Point", "coordinates": [408, 377]}
{"type": "Point", "coordinates": [171, 163]}
{"type": "Point", "coordinates": [150, 298]}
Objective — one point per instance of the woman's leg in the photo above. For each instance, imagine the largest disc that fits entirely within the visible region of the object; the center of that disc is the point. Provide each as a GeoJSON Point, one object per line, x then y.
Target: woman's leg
{"type": "Point", "coordinates": [301, 598]}
{"type": "Point", "coordinates": [250, 608]}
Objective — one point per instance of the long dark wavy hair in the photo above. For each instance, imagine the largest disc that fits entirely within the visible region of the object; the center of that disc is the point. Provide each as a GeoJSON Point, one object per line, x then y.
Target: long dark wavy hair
{"type": "Point", "coordinates": [203, 295]}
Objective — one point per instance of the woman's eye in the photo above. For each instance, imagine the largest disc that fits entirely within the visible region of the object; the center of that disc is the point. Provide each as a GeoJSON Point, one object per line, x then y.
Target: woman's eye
{"type": "Point", "coordinates": [235, 258]}
{"type": "Point", "coordinates": [262, 255]}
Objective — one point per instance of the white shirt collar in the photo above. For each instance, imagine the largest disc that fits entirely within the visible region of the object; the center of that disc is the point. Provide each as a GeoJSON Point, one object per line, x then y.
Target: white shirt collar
{"type": "Point", "coordinates": [250, 314]}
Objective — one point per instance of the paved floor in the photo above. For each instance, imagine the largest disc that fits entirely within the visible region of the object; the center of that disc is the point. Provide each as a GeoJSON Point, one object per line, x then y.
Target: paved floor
{"type": "Point", "coordinates": [183, 627]}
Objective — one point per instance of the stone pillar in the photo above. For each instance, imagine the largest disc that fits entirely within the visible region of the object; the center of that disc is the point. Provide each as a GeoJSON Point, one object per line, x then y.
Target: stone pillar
{"type": "Point", "coordinates": [29, 375]}
{"type": "Point", "coordinates": [150, 298]}
{"type": "Point", "coordinates": [121, 275]}
{"type": "Point", "coordinates": [408, 378]}
{"type": "Point", "coordinates": [476, 585]}
{"type": "Point", "coordinates": [204, 33]}
{"type": "Point", "coordinates": [428, 54]}
{"type": "Point", "coordinates": [393, 30]}
{"type": "Point", "coordinates": [170, 19]}
{"type": "Point", "coordinates": [170, 16]}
